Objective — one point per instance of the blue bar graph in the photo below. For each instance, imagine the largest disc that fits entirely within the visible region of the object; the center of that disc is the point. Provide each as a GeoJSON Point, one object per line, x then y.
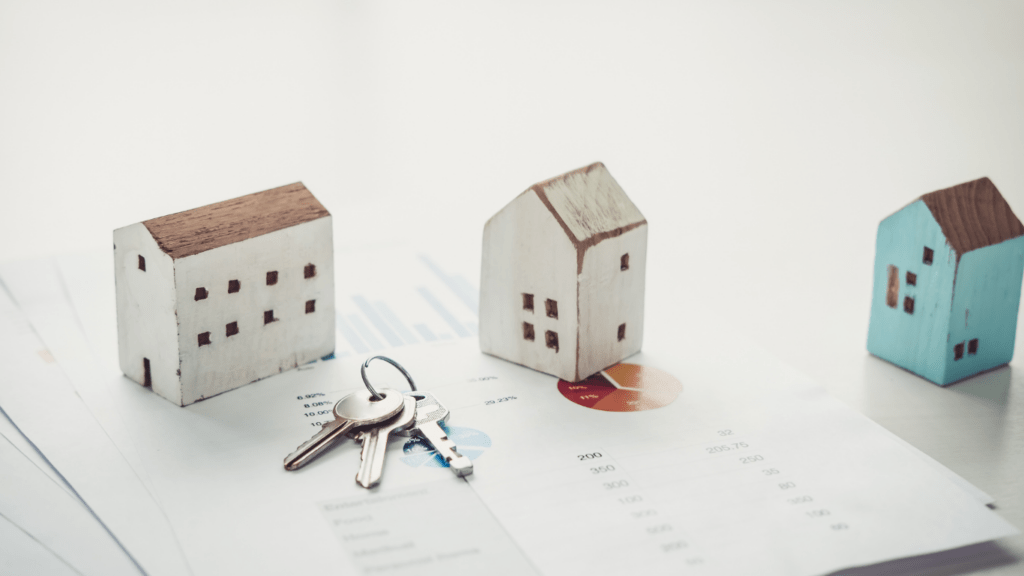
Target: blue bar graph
{"type": "Point", "coordinates": [377, 321]}
{"type": "Point", "coordinates": [392, 319]}
{"type": "Point", "coordinates": [365, 332]}
{"type": "Point", "coordinates": [353, 339]}
{"type": "Point", "coordinates": [425, 332]}
{"type": "Point", "coordinates": [457, 284]}
{"type": "Point", "coordinates": [443, 312]}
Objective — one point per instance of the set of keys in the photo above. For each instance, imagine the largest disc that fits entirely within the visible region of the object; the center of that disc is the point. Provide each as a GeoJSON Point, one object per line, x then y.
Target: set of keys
{"type": "Point", "coordinates": [371, 417]}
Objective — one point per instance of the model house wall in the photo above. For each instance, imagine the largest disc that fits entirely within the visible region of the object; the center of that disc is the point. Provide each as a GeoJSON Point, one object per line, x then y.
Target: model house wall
{"type": "Point", "coordinates": [947, 272]}
{"type": "Point", "coordinates": [231, 293]}
{"type": "Point", "coordinates": [563, 269]}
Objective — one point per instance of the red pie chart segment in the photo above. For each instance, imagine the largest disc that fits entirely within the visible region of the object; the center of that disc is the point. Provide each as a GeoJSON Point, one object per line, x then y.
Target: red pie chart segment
{"type": "Point", "coordinates": [623, 388]}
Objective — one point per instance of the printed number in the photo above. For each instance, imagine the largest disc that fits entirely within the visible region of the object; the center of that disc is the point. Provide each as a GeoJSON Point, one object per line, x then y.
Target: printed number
{"type": "Point", "coordinates": [770, 471]}
{"type": "Point", "coordinates": [726, 447]}
{"type": "Point", "coordinates": [659, 528]}
{"type": "Point", "coordinates": [725, 432]}
{"type": "Point", "coordinates": [316, 423]}
{"type": "Point", "coordinates": [645, 513]}
{"type": "Point", "coordinates": [818, 513]}
{"type": "Point", "coordinates": [631, 499]}
{"type": "Point", "coordinates": [590, 456]}
{"type": "Point", "coordinates": [673, 546]}
{"type": "Point", "coordinates": [840, 526]}
{"type": "Point", "coordinates": [616, 484]}
{"type": "Point", "coordinates": [787, 485]}
{"type": "Point", "coordinates": [751, 459]}
{"type": "Point", "coordinates": [319, 413]}
{"type": "Point", "coordinates": [801, 500]}
{"type": "Point", "coordinates": [603, 469]}
{"type": "Point", "coordinates": [694, 561]}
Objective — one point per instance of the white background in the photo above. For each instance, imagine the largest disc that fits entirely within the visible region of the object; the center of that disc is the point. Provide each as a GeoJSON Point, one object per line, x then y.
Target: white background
{"type": "Point", "coordinates": [763, 142]}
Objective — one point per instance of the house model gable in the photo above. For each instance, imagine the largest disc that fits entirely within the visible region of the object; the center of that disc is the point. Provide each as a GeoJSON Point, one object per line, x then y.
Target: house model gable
{"type": "Point", "coordinates": [223, 295]}
{"type": "Point", "coordinates": [947, 283]}
{"type": "Point", "coordinates": [562, 277]}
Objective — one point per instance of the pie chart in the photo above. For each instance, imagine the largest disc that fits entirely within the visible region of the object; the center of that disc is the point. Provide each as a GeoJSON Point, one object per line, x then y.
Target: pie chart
{"type": "Point", "coordinates": [623, 388]}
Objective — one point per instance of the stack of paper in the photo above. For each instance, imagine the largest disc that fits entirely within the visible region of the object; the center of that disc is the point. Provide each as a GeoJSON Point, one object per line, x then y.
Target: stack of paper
{"type": "Point", "coordinates": [745, 468]}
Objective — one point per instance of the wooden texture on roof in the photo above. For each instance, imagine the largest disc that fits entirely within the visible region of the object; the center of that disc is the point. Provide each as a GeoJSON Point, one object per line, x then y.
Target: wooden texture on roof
{"type": "Point", "coordinates": [215, 225]}
{"type": "Point", "coordinates": [589, 203]}
{"type": "Point", "coordinates": [973, 215]}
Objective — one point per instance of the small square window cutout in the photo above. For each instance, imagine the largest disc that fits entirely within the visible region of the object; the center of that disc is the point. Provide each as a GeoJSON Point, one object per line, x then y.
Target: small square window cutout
{"type": "Point", "coordinates": [234, 286]}
{"type": "Point", "coordinates": [310, 306]}
{"type": "Point", "coordinates": [622, 332]}
{"type": "Point", "coordinates": [528, 331]}
{"type": "Point", "coordinates": [551, 307]}
{"type": "Point", "coordinates": [204, 338]}
{"type": "Point", "coordinates": [272, 278]}
{"type": "Point", "coordinates": [201, 293]}
{"type": "Point", "coordinates": [551, 339]}
{"type": "Point", "coordinates": [624, 262]}
{"type": "Point", "coordinates": [929, 254]}
{"type": "Point", "coordinates": [958, 351]}
{"type": "Point", "coordinates": [528, 302]}
{"type": "Point", "coordinates": [142, 262]}
{"type": "Point", "coordinates": [268, 317]}
{"type": "Point", "coordinates": [908, 305]}
{"type": "Point", "coordinates": [309, 271]}
{"type": "Point", "coordinates": [231, 329]}
{"type": "Point", "coordinates": [911, 279]}
{"type": "Point", "coordinates": [972, 346]}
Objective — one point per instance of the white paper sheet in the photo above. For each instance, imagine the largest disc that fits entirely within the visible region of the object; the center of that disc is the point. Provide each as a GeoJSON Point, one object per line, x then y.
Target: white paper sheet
{"type": "Point", "coordinates": [56, 519]}
{"type": "Point", "coordinates": [38, 398]}
{"type": "Point", "coordinates": [10, 432]}
{"type": "Point", "coordinates": [23, 554]}
{"type": "Point", "coordinates": [828, 489]}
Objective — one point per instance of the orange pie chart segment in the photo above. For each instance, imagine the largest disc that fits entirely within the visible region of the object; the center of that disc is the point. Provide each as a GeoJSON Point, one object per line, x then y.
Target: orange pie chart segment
{"type": "Point", "coordinates": [632, 388]}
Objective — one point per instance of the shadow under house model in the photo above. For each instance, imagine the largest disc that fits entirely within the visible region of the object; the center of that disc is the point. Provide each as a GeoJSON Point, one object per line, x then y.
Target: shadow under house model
{"type": "Point", "coordinates": [947, 283]}
{"type": "Point", "coordinates": [220, 296]}
{"type": "Point", "coordinates": [562, 277]}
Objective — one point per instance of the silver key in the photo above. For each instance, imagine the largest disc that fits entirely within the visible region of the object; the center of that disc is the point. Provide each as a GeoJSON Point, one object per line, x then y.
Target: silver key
{"type": "Point", "coordinates": [356, 409]}
{"type": "Point", "coordinates": [375, 444]}
{"type": "Point", "coordinates": [430, 414]}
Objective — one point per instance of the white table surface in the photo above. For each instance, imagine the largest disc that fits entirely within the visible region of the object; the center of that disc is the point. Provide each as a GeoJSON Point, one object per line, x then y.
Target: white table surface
{"type": "Point", "coordinates": [763, 143]}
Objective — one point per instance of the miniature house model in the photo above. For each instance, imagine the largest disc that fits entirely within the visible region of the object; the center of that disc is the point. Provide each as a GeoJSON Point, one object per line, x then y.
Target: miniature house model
{"type": "Point", "coordinates": [562, 280]}
{"type": "Point", "coordinates": [216, 297]}
{"type": "Point", "coordinates": [947, 283]}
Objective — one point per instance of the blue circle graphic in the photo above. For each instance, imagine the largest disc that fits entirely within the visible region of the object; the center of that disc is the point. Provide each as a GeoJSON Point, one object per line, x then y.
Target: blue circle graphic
{"type": "Point", "coordinates": [470, 442]}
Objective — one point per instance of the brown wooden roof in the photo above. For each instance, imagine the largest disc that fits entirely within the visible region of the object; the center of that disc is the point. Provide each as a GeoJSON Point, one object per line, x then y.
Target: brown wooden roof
{"type": "Point", "coordinates": [973, 215]}
{"type": "Point", "coordinates": [215, 225]}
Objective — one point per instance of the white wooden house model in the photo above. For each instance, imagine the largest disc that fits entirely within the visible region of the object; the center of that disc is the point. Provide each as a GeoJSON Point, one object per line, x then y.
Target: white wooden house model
{"type": "Point", "coordinates": [562, 278]}
{"type": "Point", "coordinates": [220, 296]}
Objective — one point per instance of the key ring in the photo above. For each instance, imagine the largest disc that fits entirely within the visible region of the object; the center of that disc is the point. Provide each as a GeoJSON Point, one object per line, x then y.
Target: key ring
{"type": "Point", "coordinates": [377, 397]}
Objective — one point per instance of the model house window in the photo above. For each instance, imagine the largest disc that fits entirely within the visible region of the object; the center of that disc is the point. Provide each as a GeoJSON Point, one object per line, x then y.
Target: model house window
{"type": "Point", "coordinates": [528, 302]}
{"type": "Point", "coordinates": [622, 332]}
{"type": "Point", "coordinates": [231, 329]}
{"type": "Point", "coordinates": [201, 293]}
{"type": "Point", "coordinates": [908, 305]}
{"type": "Point", "coordinates": [268, 317]}
{"type": "Point", "coordinates": [928, 255]}
{"type": "Point", "coordinates": [911, 279]}
{"type": "Point", "coordinates": [551, 339]}
{"type": "Point", "coordinates": [147, 379]}
{"type": "Point", "coordinates": [892, 290]}
{"type": "Point", "coordinates": [624, 262]}
{"type": "Point", "coordinates": [309, 271]}
{"type": "Point", "coordinates": [972, 347]}
{"type": "Point", "coordinates": [271, 278]}
{"type": "Point", "coordinates": [958, 351]}
{"type": "Point", "coordinates": [527, 331]}
{"type": "Point", "coordinates": [310, 306]}
{"type": "Point", "coordinates": [234, 286]}
{"type": "Point", "coordinates": [204, 338]}
{"type": "Point", "coordinates": [142, 262]}
{"type": "Point", "coordinates": [551, 308]}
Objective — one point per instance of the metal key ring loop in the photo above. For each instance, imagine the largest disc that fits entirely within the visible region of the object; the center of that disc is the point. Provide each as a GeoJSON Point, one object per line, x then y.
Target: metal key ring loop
{"type": "Point", "coordinates": [377, 397]}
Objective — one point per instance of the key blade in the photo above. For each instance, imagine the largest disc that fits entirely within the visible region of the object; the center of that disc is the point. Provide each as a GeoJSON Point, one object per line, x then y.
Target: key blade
{"type": "Point", "coordinates": [438, 438]}
{"type": "Point", "coordinates": [320, 441]}
{"type": "Point", "coordinates": [375, 443]}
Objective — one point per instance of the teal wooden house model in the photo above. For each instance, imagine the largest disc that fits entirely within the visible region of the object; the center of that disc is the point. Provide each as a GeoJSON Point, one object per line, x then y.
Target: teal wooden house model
{"type": "Point", "coordinates": [947, 285]}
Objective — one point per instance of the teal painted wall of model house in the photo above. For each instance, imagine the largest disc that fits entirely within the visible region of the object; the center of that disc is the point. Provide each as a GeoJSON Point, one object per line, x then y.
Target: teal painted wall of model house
{"type": "Point", "coordinates": [985, 303]}
{"type": "Point", "coordinates": [915, 341]}
{"type": "Point", "coordinates": [987, 283]}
